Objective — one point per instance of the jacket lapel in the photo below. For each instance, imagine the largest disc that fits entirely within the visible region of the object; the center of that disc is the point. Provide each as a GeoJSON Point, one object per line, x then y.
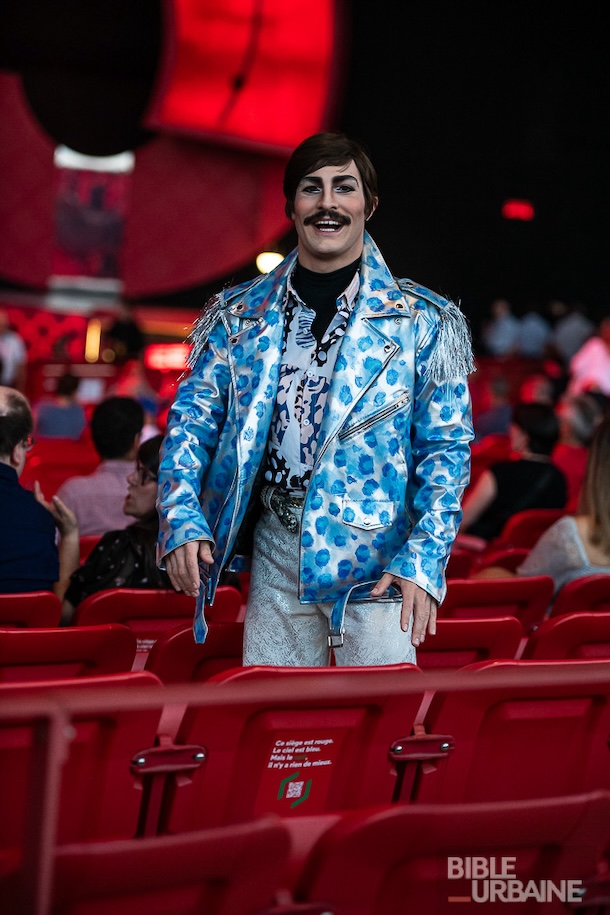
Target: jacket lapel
{"type": "Point", "coordinates": [367, 346]}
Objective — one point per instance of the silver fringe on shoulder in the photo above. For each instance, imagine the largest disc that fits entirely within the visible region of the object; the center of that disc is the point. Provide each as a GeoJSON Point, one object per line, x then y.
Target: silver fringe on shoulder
{"type": "Point", "coordinates": [198, 337]}
{"type": "Point", "coordinates": [453, 356]}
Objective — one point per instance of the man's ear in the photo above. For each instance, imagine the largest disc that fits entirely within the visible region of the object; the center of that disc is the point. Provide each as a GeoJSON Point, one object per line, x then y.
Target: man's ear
{"type": "Point", "coordinates": [373, 208]}
{"type": "Point", "coordinates": [16, 457]}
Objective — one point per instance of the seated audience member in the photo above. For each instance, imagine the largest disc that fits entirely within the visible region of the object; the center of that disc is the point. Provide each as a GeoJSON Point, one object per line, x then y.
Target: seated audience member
{"type": "Point", "coordinates": [578, 417]}
{"type": "Point", "coordinates": [494, 418]}
{"type": "Point", "coordinates": [535, 333]}
{"type": "Point", "coordinates": [13, 355]}
{"type": "Point", "coordinates": [575, 545]}
{"type": "Point", "coordinates": [97, 498]}
{"type": "Point", "coordinates": [125, 558]}
{"type": "Point", "coordinates": [501, 331]}
{"type": "Point", "coordinates": [61, 416]}
{"type": "Point", "coordinates": [29, 556]}
{"type": "Point", "coordinates": [589, 368]}
{"type": "Point", "coordinates": [529, 481]}
{"type": "Point", "coordinates": [133, 382]}
{"type": "Point", "coordinates": [571, 328]}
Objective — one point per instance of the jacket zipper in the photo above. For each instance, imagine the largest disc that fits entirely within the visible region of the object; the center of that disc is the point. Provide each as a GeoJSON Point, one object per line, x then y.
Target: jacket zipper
{"type": "Point", "coordinates": [381, 414]}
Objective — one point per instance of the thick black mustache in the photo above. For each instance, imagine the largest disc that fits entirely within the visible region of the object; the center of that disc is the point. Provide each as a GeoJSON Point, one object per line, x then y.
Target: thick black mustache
{"type": "Point", "coordinates": [327, 214]}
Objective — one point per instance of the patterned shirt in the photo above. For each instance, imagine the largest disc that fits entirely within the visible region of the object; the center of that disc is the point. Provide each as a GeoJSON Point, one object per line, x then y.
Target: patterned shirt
{"type": "Point", "coordinates": [305, 376]}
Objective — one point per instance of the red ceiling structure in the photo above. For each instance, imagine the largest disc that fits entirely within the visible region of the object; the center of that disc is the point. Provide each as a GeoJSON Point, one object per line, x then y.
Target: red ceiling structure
{"type": "Point", "coordinates": [238, 86]}
{"type": "Point", "coordinates": [252, 72]}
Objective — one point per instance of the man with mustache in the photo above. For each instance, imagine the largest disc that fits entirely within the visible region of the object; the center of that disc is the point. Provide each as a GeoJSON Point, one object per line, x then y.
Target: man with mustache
{"type": "Point", "coordinates": [327, 407]}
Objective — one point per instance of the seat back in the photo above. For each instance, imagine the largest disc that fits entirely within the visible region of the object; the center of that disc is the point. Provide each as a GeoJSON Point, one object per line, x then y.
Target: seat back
{"type": "Point", "coordinates": [459, 642]}
{"type": "Point", "coordinates": [177, 658]}
{"type": "Point", "coordinates": [526, 598]}
{"type": "Point", "coordinates": [590, 593]}
{"type": "Point", "coordinates": [293, 741]}
{"type": "Point", "coordinates": [537, 734]}
{"type": "Point", "coordinates": [460, 563]}
{"type": "Point", "coordinates": [55, 654]}
{"type": "Point", "coordinates": [151, 611]}
{"type": "Point", "coordinates": [226, 607]}
{"type": "Point", "coordinates": [525, 527]}
{"type": "Point", "coordinates": [96, 793]}
{"type": "Point", "coordinates": [234, 869]}
{"type": "Point", "coordinates": [507, 557]}
{"type": "Point", "coordinates": [53, 461]}
{"type": "Point", "coordinates": [584, 635]}
{"type": "Point", "coordinates": [147, 611]}
{"type": "Point", "coordinates": [434, 857]}
{"type": "Point", "coordinates": [31, 610]}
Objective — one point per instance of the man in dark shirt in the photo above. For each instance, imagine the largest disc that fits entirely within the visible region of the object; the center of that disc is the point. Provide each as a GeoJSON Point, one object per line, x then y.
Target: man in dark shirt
{"type": "Point", "coordinates": [29, 556]}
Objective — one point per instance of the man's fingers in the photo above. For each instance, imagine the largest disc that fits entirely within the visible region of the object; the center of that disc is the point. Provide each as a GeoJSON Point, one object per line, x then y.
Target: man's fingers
{"type": "Point", "coordinates": [182, 565]}
{"type": "Point", "coordinates": [424, 617]}
{"type": "Point", "coordinates": [183, 568]}
{"type": "Point", "coordinates": [205, 552]}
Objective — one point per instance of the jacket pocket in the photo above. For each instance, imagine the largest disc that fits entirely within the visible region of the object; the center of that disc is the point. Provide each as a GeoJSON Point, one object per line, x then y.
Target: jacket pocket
{"type": "Point", "coordinates": [368, 515]}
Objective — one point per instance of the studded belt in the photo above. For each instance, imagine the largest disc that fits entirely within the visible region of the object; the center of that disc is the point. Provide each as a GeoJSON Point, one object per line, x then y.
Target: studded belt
{"type": "Point", "coordinates": [284, 504]}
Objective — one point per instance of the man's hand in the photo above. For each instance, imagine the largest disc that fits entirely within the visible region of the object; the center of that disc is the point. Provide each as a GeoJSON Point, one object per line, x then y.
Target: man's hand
{"type": "Point", "coordinates": [182, 565]}
{"type": "Point", "coordinates": [414, 600]}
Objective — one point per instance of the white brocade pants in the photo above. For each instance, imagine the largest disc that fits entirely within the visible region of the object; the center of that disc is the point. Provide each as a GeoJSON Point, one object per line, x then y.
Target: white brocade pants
{"type": "Point", "coordinates": [280, 631]}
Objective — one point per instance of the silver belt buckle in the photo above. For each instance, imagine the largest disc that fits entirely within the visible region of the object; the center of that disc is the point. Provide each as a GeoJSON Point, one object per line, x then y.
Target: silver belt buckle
{"type": "Point", "coordinates": [280, 504]}
{"type": "Point", "coordinates": [335, 641]}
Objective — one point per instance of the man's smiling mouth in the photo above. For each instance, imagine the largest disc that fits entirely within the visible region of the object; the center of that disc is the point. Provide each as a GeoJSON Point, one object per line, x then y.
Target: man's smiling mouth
{"type": "Point", "coordinates": [325, 222]}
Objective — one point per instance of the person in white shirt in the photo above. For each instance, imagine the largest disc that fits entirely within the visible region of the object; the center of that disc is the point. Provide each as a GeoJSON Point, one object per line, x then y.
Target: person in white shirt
{"type": "Point", "coordinates": [590, 367]}
{"type": "Point", "coordinates": [13, 355]}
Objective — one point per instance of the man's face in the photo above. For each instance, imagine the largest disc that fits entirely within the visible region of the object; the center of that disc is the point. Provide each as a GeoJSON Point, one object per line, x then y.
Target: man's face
{"type": "Point", "coordinates": [329, 216]}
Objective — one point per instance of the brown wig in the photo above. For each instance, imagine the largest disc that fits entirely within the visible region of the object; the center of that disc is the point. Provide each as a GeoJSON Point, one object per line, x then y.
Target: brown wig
{"type": "Point", "coordinates": [332, 148]}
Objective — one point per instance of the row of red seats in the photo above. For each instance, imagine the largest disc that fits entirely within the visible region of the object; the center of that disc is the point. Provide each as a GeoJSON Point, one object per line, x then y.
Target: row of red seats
{"type": "Point", "coordinates": [85, 651]}
{"type": "Point", "coordinates": [151, 611]}
{"type": "Point", "coordinates": [370, 862]}
{"type": "Point", "coordinates": [91, 764]}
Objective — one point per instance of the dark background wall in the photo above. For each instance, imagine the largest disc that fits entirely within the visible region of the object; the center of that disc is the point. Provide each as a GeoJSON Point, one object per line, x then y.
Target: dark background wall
{"type": "Point", "coordinates": [466, 104]}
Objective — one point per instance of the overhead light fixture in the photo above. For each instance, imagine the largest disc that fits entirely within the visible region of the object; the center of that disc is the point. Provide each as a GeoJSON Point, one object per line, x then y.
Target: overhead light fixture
{"type": "Point", "coordinates": [267, 260]}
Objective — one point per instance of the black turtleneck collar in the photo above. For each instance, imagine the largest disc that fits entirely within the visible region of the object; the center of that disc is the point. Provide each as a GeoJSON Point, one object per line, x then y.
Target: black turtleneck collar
{"type": "Point", "coordinates": [317, 289]}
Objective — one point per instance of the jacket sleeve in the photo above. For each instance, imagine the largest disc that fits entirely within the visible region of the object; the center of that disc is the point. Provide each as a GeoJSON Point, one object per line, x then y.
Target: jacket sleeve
{"type": "Point", "coordinates": [440, 453]}
{"type": "Point", "coordinates": [193, 428]}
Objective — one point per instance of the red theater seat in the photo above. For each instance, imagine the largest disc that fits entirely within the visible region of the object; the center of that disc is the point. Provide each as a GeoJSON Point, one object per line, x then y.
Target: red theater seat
{"type": "Point", "coordinates": [54, 460]}
{"type": "Point", "coordinates": [526, 598]}
{"type": "Point", "coordinates": [69, 779]}
{"type": "Point", "coordinates": [55, 654]}
{"type": "Point", "coordinates": [150, 612]}
{"type": "Point", "coordinates": [536, 734]}
{"type": "Point", "coordinates": [584, 635]}
{"type": "Point", "coordinates": [591, 593]}
{"type": "Point", "coordinates": [459, 642]}
{"type": "Point", "coordinates": [401, 859]}
{"type": "Point", "coordinates": [289, 741]}
{"type": "Point", "coordinates": [31, 610]}
{"type": "Point", "coordinates": [525, 527]}
{"type": "Point", "coordinates": [234, 870]}
{"type": "Point", "coordinates": [177, 658]}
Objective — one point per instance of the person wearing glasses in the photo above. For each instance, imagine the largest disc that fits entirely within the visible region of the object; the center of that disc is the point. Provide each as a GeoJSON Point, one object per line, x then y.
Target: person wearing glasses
{"type": "Point", "coordinates": [125, 558]}
{"type": "Point", "coordinates": [30, 554]}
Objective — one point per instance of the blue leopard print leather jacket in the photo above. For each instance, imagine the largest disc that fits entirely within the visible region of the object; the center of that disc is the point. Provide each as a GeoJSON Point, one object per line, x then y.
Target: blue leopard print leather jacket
{"type": "Point", "coordinates": [393, 455]}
